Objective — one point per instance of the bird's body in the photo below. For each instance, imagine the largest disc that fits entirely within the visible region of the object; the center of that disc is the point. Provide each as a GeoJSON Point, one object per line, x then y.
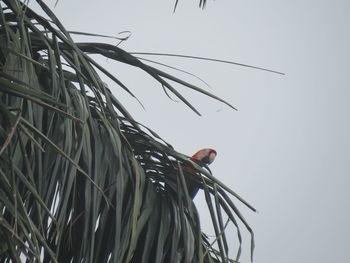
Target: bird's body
{"type": "Point", "coordinates": [203, 157]}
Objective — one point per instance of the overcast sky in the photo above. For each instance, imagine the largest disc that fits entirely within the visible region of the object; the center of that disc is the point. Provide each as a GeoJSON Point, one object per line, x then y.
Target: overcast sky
{"type": "Point", "coordinates": [287, 148]}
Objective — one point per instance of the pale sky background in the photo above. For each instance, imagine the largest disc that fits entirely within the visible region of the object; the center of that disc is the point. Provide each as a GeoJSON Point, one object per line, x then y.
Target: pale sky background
{"type": "Point", "coordinates": [287, 149]}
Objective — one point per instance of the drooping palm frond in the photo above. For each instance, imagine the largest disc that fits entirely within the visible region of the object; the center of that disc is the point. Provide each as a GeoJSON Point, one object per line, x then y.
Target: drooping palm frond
{"type": "Point", "coordinates": [80, 179]}
{"type": "Point", "coordinates": [202, 4]}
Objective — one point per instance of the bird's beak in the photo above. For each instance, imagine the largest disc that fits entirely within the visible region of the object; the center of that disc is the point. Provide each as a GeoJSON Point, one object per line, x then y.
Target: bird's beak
{"type": "Point", "coordinates": [211, 158]}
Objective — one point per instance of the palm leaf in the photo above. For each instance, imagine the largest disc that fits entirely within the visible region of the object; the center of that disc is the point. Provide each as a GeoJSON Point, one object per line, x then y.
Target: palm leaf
{"type": "Point", "coordinates": [80, 179]}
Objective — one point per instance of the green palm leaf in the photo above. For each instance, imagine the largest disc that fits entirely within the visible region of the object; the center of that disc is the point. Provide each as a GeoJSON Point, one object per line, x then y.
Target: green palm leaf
{"type": "Point", "coordinates": [80, 179]}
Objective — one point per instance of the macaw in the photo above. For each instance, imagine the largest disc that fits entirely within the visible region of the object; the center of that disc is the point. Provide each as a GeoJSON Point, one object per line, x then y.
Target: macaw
{"type": "Point", "coordinates": [203, 157]}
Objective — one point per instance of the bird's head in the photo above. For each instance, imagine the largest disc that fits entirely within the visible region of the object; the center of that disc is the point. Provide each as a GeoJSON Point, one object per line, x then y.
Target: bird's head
{"type": "Point", "coordinates": [205, 156]}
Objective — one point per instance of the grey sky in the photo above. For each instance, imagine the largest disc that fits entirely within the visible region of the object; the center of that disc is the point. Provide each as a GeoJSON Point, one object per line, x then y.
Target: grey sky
{"type": "Point", "coordinates": [287, 149]}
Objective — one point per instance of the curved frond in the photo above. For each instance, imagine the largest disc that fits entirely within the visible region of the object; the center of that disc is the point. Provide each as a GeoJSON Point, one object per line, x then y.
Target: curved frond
{"type": "Point", "coordinates": [80, 179]}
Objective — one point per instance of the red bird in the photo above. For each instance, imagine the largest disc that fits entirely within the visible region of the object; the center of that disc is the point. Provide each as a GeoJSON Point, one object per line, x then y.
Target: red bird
{"type": "Point", "coordinates": [202, 157]}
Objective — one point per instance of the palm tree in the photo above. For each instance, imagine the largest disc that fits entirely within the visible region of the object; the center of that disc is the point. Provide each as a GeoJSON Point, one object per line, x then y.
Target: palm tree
{"type": "Point", "coordinates": [80, 179]}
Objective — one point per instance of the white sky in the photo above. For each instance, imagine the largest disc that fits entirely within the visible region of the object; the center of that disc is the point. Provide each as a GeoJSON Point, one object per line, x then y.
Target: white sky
{"type": "Point", "coordinates": [287, 149]}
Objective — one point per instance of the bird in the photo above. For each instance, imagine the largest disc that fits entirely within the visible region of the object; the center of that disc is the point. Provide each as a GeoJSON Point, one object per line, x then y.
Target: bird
{"type": "Point", "coordinates": [203, 158]}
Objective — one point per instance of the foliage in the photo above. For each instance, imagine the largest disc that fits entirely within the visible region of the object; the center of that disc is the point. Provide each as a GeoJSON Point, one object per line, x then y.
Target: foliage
{"type": "Point", "coordinates": [80, 179]}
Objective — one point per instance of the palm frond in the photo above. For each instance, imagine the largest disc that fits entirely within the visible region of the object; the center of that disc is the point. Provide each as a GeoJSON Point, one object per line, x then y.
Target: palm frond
{"type": "Point", "coordinates": [80, 179]}
{"type": "Point", "coordinates": [202, 4]}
